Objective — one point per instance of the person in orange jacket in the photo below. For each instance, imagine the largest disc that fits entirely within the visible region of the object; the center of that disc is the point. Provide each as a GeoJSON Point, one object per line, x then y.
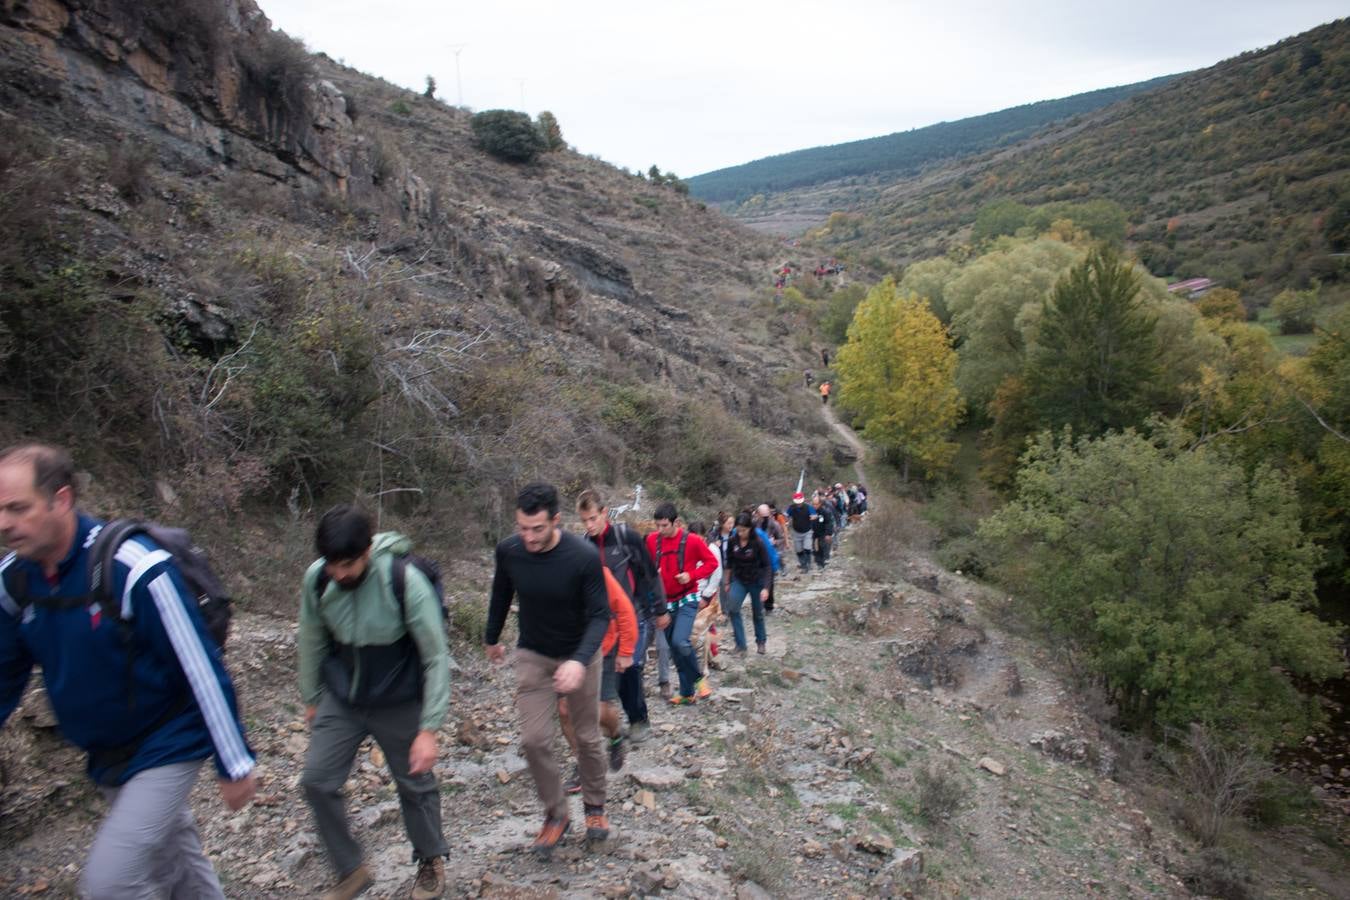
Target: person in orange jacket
{"type": "Point", "coordinates": [617, 651]}
{"type": "Point", "coordinates": [824, 392]}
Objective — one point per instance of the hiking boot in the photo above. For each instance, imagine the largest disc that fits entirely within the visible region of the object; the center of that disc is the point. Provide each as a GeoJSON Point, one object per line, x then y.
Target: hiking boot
{"type": "Point", "coordinates": [597, 823]}
{"type": "Point", "coordinates": [681, 700]}
{"type": "Point", "coordinates": [702, 689]}
{"type": "Point", "coordinates": [639, 731]}
{"type": "Point", "coordinates": [430, 881]}
{"type": "Point", "coordinates": [759, 648]}
{"type": "Point", "coordinates": [550, 835]}
{"type": "Point", "coordinates": [573, 783]}
{"type": "Point", "coordinates": [666, 690]}
{"type": "Point", "coordinates": [354, 884]}
{"type": "Point", "coordinates": [616, 753]}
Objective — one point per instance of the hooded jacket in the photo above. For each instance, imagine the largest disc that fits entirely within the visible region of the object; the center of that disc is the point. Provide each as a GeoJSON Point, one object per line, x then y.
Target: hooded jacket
{"type": "Point", "coordinates": [368, 615]}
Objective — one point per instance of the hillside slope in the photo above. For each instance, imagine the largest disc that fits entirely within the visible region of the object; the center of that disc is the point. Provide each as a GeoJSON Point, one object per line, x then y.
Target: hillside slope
{"type": "Point", "coordinates": [1240, 172]}
{"type": "Point", "coordinates": [251, 275]}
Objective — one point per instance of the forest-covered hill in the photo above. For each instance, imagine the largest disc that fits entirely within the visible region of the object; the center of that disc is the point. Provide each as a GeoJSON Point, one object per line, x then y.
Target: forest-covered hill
{"type": "Point", "coordinates": [1239, 172]}
{"type": "Point", "coordinates": [903, 153]}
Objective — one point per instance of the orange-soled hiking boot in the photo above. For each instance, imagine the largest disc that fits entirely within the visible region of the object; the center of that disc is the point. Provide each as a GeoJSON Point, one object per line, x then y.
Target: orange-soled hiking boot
{"type": "Point", "coordinates": [550, 835]}
{"type": "Point", "coordinates": [702, 690]}
{"type": "Point", "coordinates": [597, 823]}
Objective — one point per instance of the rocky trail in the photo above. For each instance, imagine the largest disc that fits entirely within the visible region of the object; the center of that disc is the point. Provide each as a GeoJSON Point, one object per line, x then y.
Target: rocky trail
{"type": "Point", "coordinates": [890, 743]}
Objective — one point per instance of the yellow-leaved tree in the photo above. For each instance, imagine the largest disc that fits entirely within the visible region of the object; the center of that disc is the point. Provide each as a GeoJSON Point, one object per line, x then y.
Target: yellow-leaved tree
{"type": "Point", "coordinates": [897, 374]}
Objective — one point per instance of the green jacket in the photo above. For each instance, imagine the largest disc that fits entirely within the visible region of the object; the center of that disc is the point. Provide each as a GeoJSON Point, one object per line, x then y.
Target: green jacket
{"type": "Point", "coordinates": [368, 615]}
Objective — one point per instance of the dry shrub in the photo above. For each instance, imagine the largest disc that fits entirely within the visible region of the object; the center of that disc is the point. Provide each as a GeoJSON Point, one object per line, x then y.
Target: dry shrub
{"type": "Point", "coordinates": [127, 169]}
{"type": "Point", "coordinates": [1214, 873]}
{"type": "Point", "coordinates": [941, 793]}
{"type": "Point", "coordinates": [1215, 779]}
{"type": "Point", "coordinates": [894, 529]}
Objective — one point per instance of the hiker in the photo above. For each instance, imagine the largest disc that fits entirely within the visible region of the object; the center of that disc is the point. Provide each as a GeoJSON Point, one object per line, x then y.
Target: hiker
{"type": "Point", "coordinates": [824, 392]}
{"type": "Point", "coordinates": [824, 357]}
{"type": "Point", "coordinates": [801, 518]}
{"type": "Point", "coordinates": [137, 683]}
{"type": "Point", "coordinates": [559, 583]}
{"type": "Point", "coordinates": [624, 553]}
{"type": "Point", "coordinates": [373, 662]}
{"type": "Point", "coordinates": [747, 571]}
{"type": "Point", "coordinates": [703, 637]}
{"type": "Point", "coordinates": [773, 532]}
{"type": "Point", "coordinates": [840, 498]}
{"type": "Point", "coordinates": [823, 529]}
{"type": "Point", "coordinates": [682, 559]}
{"type": "Point", "coordinates": [616, 653]}
{"type": "Point", "coordinates": [808, 377]}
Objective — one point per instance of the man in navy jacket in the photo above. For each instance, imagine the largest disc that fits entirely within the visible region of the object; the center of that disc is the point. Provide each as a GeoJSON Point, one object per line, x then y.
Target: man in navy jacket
{"type": "Point", "coordinates": [142, 688]}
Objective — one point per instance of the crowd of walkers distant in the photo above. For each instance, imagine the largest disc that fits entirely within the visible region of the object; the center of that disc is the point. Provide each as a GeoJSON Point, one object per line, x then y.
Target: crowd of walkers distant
{"type": "Point", "coordinates": [787, 273]}
{"type": "Point", "coordinates": [129, 624]}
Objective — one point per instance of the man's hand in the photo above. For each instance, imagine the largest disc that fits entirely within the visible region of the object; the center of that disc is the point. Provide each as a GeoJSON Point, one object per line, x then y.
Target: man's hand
{"type": "Point", "coordinates": [568, 677]}
{"type": "Point", "coordinates": [621, 663]}
{"type": "Point", "coordinates": [422, 753]}
{"type": "Point", "coordinates": [495, 652]}
{"type": "Point", "coordinates": [703, 602]}
{"type": "Point", "coordinates": [663, 621]}
{"type": "Point", "coordinates": [763, 595]}
{"type": "Point", "coordinates": [682, 578]}
{"type": "Point", "coordinates": [237, 794]}
{"type": "Point", "coordinates": [310, 712]}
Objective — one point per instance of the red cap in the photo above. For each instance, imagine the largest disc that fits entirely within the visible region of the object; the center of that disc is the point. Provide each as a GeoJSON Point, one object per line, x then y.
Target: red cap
{"type": "Point", "coordinates": [798, 497]}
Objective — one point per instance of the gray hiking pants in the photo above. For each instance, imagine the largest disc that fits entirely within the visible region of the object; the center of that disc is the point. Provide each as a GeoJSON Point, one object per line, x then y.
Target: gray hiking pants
{"type": "Point", "coordinates": [337, 733]}
{"type": "Point", "coordinates": [147, 848]}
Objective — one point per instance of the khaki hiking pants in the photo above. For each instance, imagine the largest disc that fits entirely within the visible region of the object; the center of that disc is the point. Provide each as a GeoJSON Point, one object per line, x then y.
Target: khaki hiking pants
{"type": "Point", "coordinates": [538, 706]}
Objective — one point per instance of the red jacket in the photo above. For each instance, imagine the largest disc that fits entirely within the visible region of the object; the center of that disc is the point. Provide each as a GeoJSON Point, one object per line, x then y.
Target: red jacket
{"type": "Point", "coordinates": [699, 561]}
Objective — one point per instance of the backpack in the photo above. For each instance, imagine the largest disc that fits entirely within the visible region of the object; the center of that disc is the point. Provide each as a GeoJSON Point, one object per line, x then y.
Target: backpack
{"type": "Point", "coordinates": [213, 598]}
{"type": "Point", "coordinates": [398, 581]}
{"type": "Point", "coordinates": [625, 566]}
{"type": "Point", "coordinates": [679, 552]}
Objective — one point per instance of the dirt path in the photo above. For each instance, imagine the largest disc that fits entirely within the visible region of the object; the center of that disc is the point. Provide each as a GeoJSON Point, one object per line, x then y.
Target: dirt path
{"type": "Point", "coordinates": [801, 777]}
{"type": "Point", "coordinates": [852, 439]}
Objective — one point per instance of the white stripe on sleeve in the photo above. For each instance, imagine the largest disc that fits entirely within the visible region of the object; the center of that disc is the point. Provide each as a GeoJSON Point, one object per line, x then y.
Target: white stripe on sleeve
{"type": "Point", "coordinates": [6, 601]}
{"type": "Point", "coordinates": [234, 756]}
{"type": "Point", "coordinates": [140, 563]}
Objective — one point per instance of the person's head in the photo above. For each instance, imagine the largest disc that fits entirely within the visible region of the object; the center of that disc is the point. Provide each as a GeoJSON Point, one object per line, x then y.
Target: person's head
{"type": "Point", "coordinates": [593, 512]}
{"type": "Point", "coordinates": [725, 522]}
{"type": "Point", "coordinates": [537, 516]}
{"type": "Point", "coordinates": [667, 520]}
{"type": "Point", "coordinates": [343, 540]}
{"type": "Point", "coordinates": [799, 497]}
{"type": "Point", "coordinates": [37, 502]}
{"type": "Point", "coordinates": [762, 511]}
{"type": "Point", "coordinates": [745, 523]}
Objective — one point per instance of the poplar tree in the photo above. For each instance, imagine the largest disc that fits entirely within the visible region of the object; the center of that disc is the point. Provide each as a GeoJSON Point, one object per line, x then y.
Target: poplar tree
{"type": "Point", "coordinates": [897, 372]}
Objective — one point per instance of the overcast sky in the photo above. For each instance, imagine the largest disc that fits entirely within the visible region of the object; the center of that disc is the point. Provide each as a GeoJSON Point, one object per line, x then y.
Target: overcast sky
{"type": "Point", "coordinates": [696, 85]}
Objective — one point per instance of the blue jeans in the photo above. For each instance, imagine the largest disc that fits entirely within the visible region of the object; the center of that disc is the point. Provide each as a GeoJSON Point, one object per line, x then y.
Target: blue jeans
{"type": "Point", "coordinates": [677, 633]}
{"type": "Point", "coordinates": [735, 600]}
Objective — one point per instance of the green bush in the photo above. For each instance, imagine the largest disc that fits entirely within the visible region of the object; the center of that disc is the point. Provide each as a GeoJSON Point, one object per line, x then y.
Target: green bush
{"type": "Point", "coordinates": [1184, 584]}
{"type": "Point", "coordinates": [551, 131]}
{"type": "Point", "coordinates": [507, 134]}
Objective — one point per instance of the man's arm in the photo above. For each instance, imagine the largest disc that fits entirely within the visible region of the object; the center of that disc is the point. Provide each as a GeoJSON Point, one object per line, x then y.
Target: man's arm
{"type": "Point", "coordinates": [167, 617]}
{"type": "Point", "coordinates": [499, 603]}
{"type": "Point", "coordinates": [595, 608]}
{"type": "Point", "coordinates": [704, 562]}
{"type": "Point", "coordinates": [16, 664]}
{"type": "Point", "coordinates": [312, 641]}
{"type": "Point", "coordinates": [648, 582]}
{"type": "Point", "coordinates": [425, 624]}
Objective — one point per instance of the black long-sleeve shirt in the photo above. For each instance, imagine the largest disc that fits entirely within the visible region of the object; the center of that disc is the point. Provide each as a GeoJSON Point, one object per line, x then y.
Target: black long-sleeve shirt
{"type": "Point", "coordinates": [748, 563]}
{"type": "Point", "coordinates": [564, 607]}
